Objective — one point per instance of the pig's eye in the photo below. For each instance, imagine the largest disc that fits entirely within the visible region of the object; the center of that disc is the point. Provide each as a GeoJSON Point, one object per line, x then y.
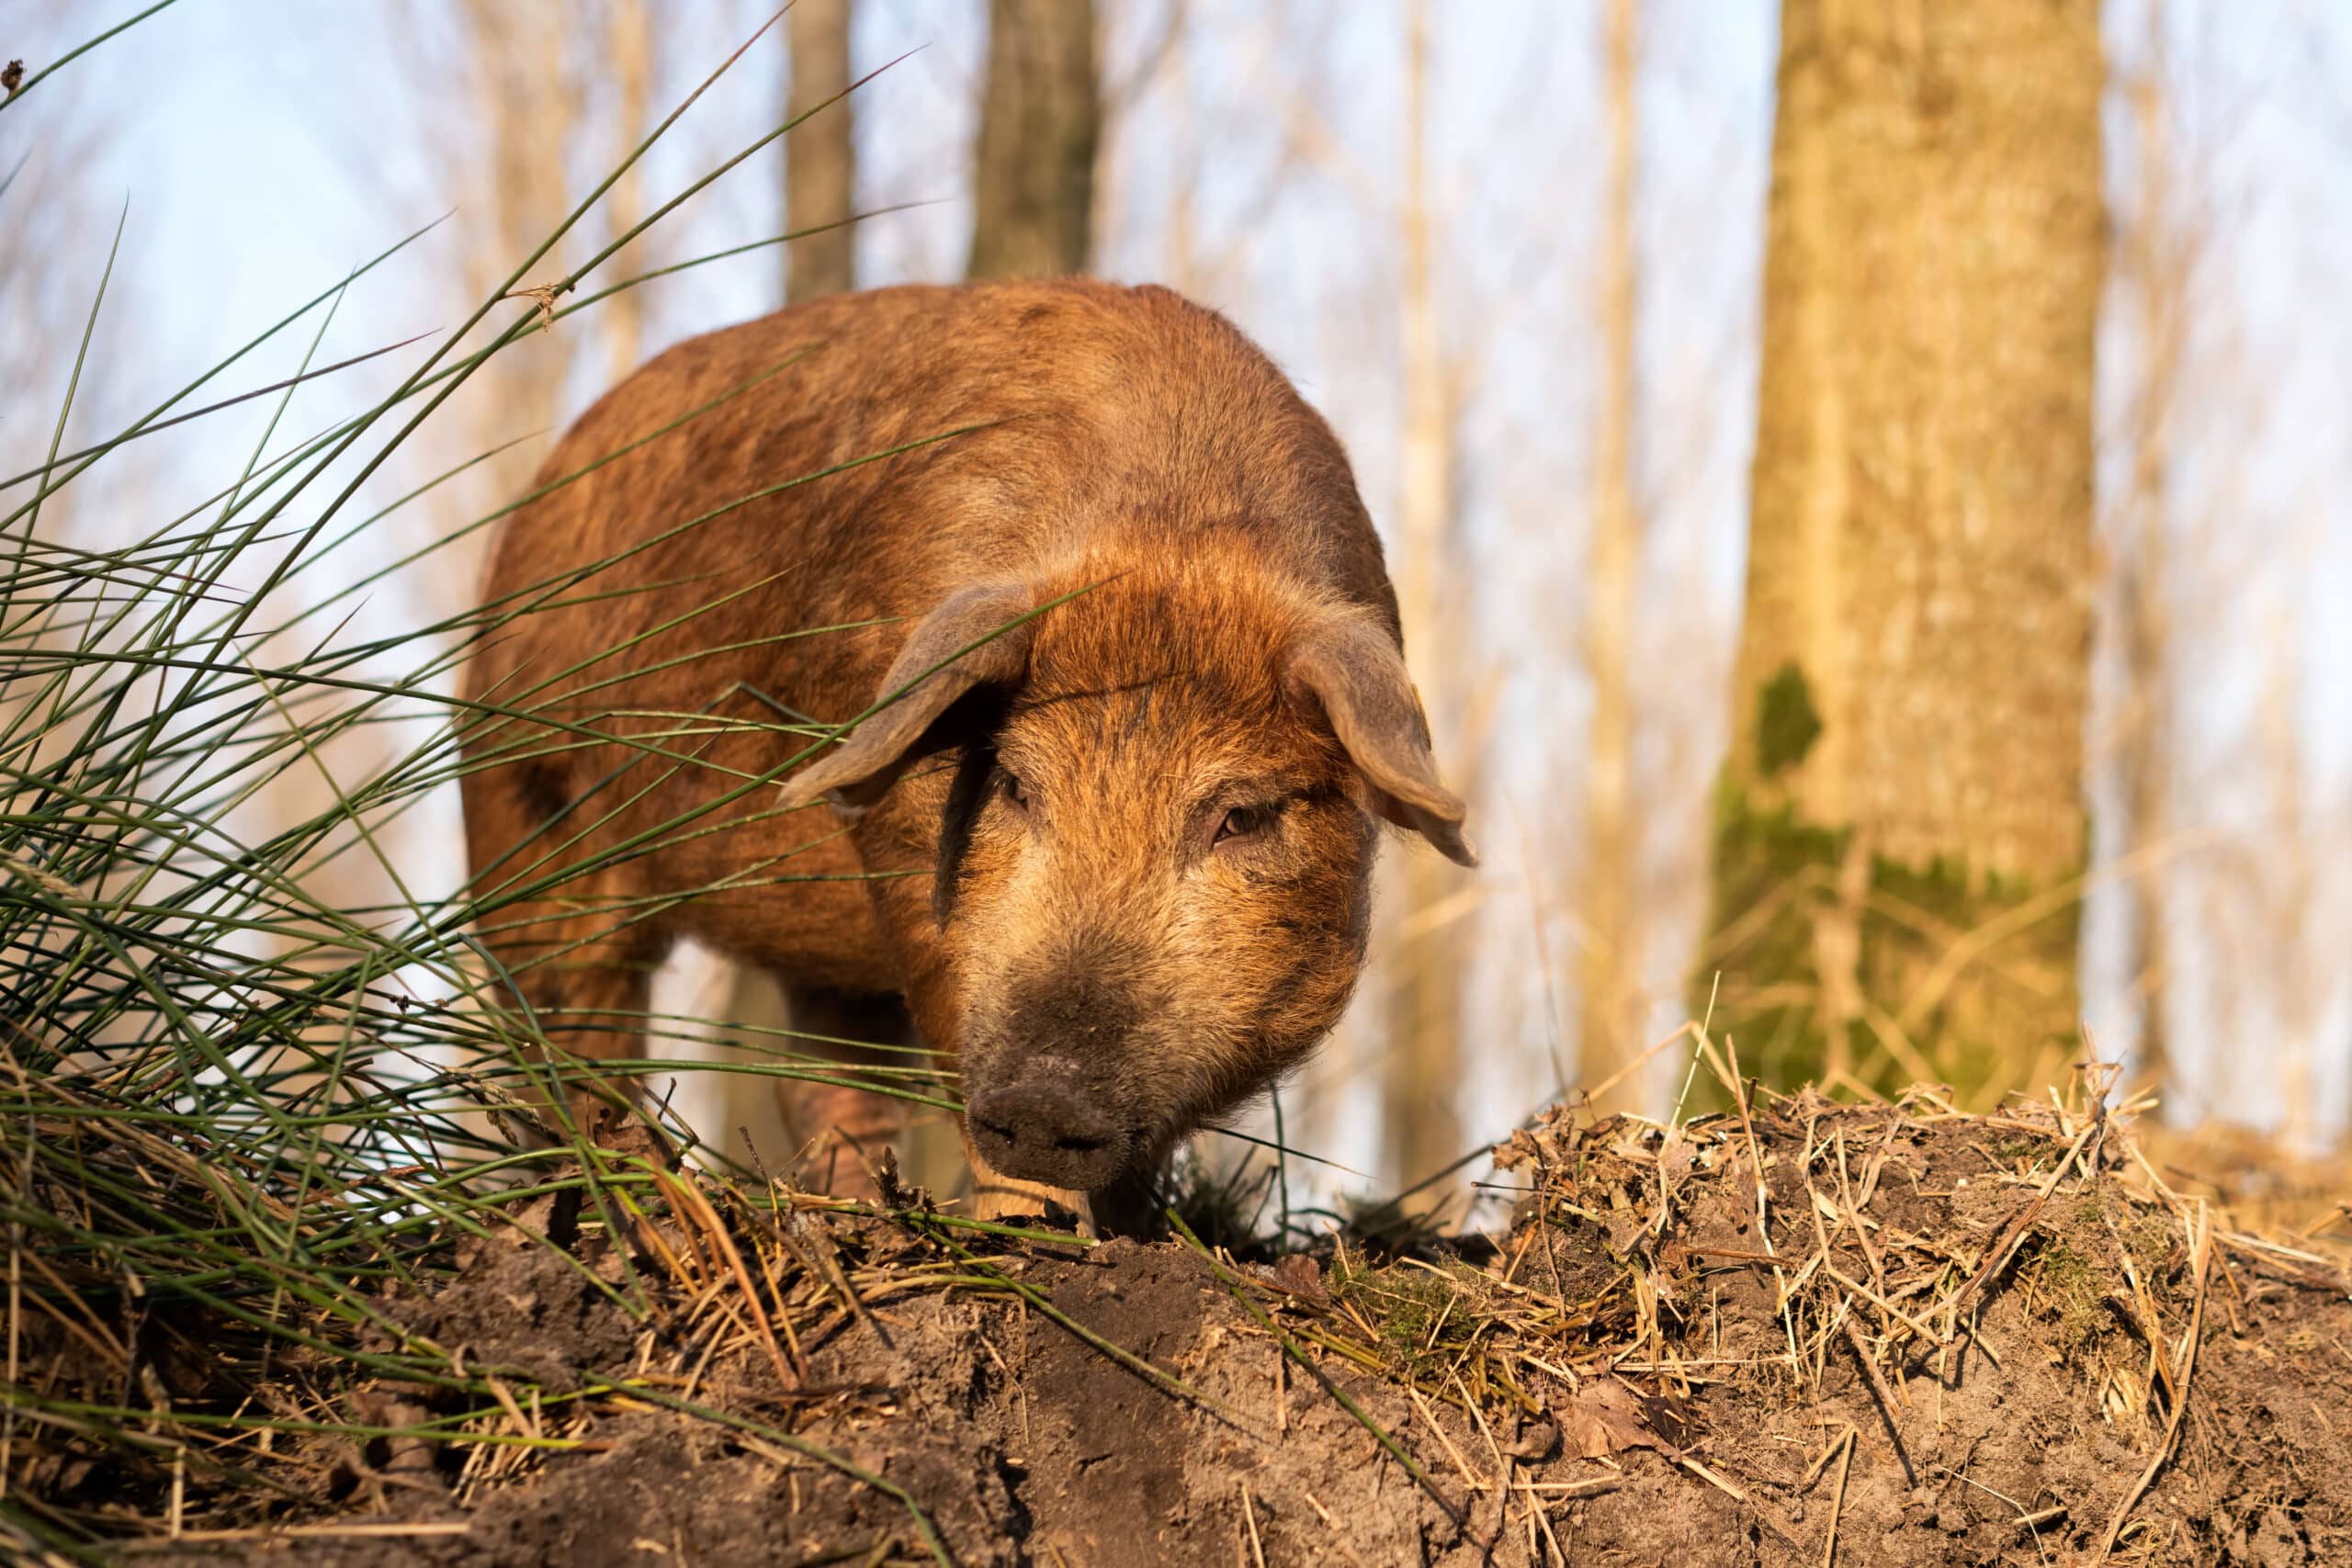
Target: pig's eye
{"type": "Point", "coordinates": [1244, 822]}
{"type": "Point", "coordinates": [1016, 792]}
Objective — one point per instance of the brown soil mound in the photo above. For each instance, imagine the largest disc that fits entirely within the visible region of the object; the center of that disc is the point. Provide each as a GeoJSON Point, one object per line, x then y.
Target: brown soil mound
{"type": "Point", "coordinates": [1948, 1339]}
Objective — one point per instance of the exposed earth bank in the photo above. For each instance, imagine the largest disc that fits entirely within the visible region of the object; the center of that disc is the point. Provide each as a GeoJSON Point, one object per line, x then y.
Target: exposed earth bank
{"type": "Point", "coordinates": [1948, 1339]}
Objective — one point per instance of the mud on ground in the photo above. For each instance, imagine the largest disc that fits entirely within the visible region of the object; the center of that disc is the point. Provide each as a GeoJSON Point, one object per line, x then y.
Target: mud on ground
{"type": "Point", "coordinates": [1946, 1339]}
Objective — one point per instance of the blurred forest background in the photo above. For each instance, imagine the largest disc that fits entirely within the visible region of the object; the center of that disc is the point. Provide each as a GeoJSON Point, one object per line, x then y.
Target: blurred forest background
{"type": "Point", "coordinates": [1867, 483]}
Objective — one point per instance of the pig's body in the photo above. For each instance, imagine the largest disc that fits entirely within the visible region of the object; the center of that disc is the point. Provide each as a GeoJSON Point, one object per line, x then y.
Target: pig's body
{"type": "Point", "coordinates": [1231, 613]}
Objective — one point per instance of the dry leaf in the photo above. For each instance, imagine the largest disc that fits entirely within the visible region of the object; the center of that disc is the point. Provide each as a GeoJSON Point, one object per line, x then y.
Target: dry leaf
{"type": "Point", "coordinates": [1604, 1417]}
{"type": "Point", "coordinates": [1536, 1441]}
{"type": "Point", "coordinates": [1298, 1274]}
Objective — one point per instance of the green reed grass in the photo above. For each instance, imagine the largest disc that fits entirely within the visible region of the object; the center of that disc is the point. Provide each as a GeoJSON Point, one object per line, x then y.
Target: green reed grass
{"type": "Point", "coordinates": [233, 1109]}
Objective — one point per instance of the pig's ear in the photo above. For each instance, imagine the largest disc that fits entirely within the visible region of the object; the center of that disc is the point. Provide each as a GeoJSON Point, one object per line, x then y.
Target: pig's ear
{"type": "Point", "coordinates": [1353, 672]}
{"type": "Point", "coordinates": [968, 641]}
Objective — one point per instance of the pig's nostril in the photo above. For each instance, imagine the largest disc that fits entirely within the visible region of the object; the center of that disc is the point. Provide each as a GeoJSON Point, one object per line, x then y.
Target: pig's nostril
{"type": "Point", "coordinates": [1039, 1129]}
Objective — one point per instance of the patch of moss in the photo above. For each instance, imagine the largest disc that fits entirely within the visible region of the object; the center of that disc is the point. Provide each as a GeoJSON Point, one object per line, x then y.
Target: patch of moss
{"type": "Point", "coordinates": [2071, 1286]}
{"type": "Point", "coordinates": [1421, 1316]}
{"type": "Point", "coordinates": [1787, 724]}
{"type": "Point", "coordinates": [1759, 850]}
{"type": "Point", "coordinates": [2149, 1240]}
{"type": "Point", "coordinates": [1768, 854]}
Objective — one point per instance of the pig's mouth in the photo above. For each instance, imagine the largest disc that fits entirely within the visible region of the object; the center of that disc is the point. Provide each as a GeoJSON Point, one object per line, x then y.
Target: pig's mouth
{"type": "Point", "coordinates": [1046, 1125]}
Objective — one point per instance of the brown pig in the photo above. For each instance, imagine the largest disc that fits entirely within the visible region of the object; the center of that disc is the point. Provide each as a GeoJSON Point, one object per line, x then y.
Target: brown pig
{"type": "Point", "coordinates": [1019, 652]}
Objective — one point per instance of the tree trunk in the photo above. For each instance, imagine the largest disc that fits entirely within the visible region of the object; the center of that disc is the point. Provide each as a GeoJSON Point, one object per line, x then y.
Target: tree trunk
{"type": "Point", "coordinates": [1608, 985]}
{"type": "Point", "coordinates": [820, 154]}
{"type": "Point", "coordinates": [1423, 952]}
{"type": "Point", "coordinates": [2156, 259]}
{"type": "Point", "coordinates": [528, 103]}
{"type": "Point", "coordinates": [1041, 121]}
{"type": "Point", "coordinates": [1901, 822]}
{"type": "Point", "coordinates": [628, 55]}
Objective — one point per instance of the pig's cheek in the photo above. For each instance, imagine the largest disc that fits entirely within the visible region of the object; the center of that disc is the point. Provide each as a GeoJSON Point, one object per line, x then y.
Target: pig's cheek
{"type": "Point", "coordinates": [978, 955]}
{"type": "Point", "coordinates": [1260, 956]}
{"type": "Point", "coordinates": [1204, 921]}
{"type": "Point", "coordinates": [998, 899]}
{"type": "Point", "coordinates": [1004, 911]}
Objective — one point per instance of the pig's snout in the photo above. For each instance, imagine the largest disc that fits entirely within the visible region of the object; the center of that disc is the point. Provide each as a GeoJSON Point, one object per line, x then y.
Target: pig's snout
{"type": "Point", "coordinates": [1045, 1126]}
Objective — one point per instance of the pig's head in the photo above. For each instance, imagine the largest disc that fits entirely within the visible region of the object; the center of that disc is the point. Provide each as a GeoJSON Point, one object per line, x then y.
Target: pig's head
{"type": "Point", "coordinates": [1155, 846]}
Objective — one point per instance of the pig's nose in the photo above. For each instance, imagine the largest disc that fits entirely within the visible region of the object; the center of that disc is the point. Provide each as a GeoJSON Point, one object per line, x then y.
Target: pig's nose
{"type": "Point", "coordinates": [1041, 1130]}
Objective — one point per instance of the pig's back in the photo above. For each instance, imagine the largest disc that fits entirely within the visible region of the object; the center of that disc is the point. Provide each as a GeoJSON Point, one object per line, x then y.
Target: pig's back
{"type": "Point", "coordinates": [859, 458]}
